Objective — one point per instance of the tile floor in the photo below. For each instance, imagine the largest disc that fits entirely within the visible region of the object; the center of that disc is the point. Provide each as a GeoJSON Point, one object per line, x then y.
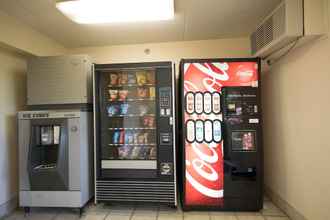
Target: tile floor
{"type": "Point", "coordinates": [146, 212]}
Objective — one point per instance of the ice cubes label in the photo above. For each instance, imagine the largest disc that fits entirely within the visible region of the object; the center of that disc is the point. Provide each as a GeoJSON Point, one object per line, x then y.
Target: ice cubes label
{"type": "Point", "coordinates": [199, 103]}
{"type": "Point", "coordinates": [217, 136]}
{"type": "Point", "coordinates": [216, 103]}
{"type": "Point", "coordinates": [190, 103]}
{"type": "Point", "coordinates": [208, 131]}
{"type": "Point", "coordinates": [199, 131]}
{"type": "Point", "coordinates": [207, 103]}
{"type": "Point", "coordinates": [190, 131]}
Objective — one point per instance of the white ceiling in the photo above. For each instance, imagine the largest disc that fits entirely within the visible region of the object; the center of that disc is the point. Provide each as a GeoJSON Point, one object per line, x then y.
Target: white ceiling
{"type": "Point", "coordinates": [194, 20]}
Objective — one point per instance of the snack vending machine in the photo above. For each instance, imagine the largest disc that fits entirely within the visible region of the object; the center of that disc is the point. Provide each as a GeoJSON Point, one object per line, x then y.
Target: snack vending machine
{"type": "Point", "coordinates": [134, 133]}
{"type": "Point", "coordinates": [221, 142]}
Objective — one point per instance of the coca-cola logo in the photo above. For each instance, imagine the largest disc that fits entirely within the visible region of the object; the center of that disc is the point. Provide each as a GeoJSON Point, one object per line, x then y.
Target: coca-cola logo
{"type": "Point", "coordinates": [203, 166]}
{"type": "Point", "coordinates": [214, 75]}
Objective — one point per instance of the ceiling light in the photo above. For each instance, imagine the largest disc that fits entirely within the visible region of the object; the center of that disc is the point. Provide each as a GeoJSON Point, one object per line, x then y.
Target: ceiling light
{"type": "Point", "coordinates": [110, 11]}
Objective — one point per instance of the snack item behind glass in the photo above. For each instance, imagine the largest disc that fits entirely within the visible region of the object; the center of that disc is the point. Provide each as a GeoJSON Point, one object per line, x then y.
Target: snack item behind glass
{"type": "Point", "coordinates": [153, 154]}
{"type": "Point", "coordinates": [123, 95]}
{"type": "Point", "coordinates": [122, 137]}
{"type": "Point", "coordinates": [131, 78]}
{"type": "Point", "coordinates": [113, 93]}
{"type": "Point", "coordinates": [124, 152]}
{"type": "Point", "coordinates": [142, 92]}
{"type": "Point", "coordinates": [144, 153]}
{"type": "Point", "coordinates": [124, 108]}
{"type": "Point", "coordinates": [152, 92]}
{"type": "Point", "coordinates": [148, 121]}
{"type": "Point", "coordinates": [115, 137]}
{"type": "Point", "coordinates": [123, 79]}
{"type": "Point", "coordinates": [113, 110]}
{"type": "Point", "coordinates": [135, 153]}
{"type": "Point", "coordinates": [141, 138]}
{"type": "Point", "coordinates": [136, 138]}
{"type": "Point", "coordinates": [141, 78]}
{"type": "Point", "coordinates": [113, 79]}
{"type": "Point", "coordinates": [129, 137]}
{"type": "Point", "coordinates": [143, 109]}
{"type": "Point", "coordinates": [150, 77]}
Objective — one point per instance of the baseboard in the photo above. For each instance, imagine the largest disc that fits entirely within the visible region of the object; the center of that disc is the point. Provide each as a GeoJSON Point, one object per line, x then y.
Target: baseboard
{"type": "Point", "coordinates": [8, 207]}
{"type": "Point", "coordinates": [283, 205]}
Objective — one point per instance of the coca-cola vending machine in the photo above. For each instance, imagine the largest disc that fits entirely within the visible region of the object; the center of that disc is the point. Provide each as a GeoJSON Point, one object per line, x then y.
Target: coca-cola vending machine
{"type": "Point", "coordinates": [221, 143]}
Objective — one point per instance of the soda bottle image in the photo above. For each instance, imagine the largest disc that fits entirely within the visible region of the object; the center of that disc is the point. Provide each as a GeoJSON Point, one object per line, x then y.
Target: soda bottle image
{"type": "Point", "coordinates": [207, 103]}
{"type": "Point", "coordinates": [190, 130]}
{"type": "Point", "coordinates": [216, 103]}
{"type": "Point", "coordinates": [199, 103]}
{"type": "Point", "coordinates": [190, 103]}
{"type": "Point", "coordinates": [199, 131]}
{"type": "Point", "coordinates": [217, 131]}
{"type": "Point", "coordinates": [208, 131]}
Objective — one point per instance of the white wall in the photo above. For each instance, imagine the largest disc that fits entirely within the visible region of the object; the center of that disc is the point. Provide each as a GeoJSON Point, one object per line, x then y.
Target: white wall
{"type": "Point", "coordinates": [22, 37]}
{"type": "Point", "coordinates": [12, 99]}
{"type": "Point", "coordinates": [171, 51]}
{"type": "Point", "coordinates": [296, 106]}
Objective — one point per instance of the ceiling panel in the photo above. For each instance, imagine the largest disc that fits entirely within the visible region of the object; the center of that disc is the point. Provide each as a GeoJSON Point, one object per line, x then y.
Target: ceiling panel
{"type": "Point", "coordinates": [194, 20]}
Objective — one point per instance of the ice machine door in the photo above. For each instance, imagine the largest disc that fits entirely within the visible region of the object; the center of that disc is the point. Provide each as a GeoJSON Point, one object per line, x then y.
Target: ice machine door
{"type": "Point", "coordinates": [48, 155]}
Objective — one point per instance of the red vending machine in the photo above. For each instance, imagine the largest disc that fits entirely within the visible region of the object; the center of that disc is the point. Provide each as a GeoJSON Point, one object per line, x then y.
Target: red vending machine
{"type": "Point", "coordinates": [221, 143]}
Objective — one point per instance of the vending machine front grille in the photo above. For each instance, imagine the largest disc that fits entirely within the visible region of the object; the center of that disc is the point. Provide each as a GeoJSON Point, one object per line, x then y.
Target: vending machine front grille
{"type": "Point", "coordinates": [135, 191]}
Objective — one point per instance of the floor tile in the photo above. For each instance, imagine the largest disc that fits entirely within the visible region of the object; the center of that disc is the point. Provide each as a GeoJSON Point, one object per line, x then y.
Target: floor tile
{"type": "Point", "coordinates": [143, 217]}
{"type": "Point", "coordinates": [170, 216]}
{"type": "Point", "coordinates": [271, 210]}
{"type": "Point", "coordinates": [118, 217]}
{"type": "Point", "coordinates": [94, 216]}
{"type": "Point", "coordinates": [250, 217]}
{"type": "Point", "coordinates": [276, 218]}
{"type": "Point", "coordinates": [223, 217]}
{"type": "Point", "coordinates": [196, 216]}
{"type": "Point", "coordinates": [248, 213]}
{"type": "Point", "coordinates": [67, 216]}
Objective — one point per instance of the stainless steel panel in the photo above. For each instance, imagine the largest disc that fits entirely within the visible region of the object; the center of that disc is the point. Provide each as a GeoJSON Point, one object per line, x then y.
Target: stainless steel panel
{"type": "Point", "coordinates": [24, 129]}
{"type": "Point", "coordinates": [74, 154]}
{"type": "Point", "coordinates": [59, 80]}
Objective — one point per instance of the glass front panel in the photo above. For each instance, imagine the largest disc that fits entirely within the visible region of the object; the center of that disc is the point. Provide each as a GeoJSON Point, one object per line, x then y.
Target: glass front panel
{"type": "Point", "coordinates": [45, 150]}
{"type": "Point", "coordinates": [130, 108]}
{"type": "Point", "coordinates": [244, 141]}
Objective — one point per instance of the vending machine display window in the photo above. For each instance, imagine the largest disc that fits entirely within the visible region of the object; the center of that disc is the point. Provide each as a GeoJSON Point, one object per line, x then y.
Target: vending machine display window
{"type": "Point", "coordinates": [130, 104]}
{"type": "Point", "coordinates": [244, 141]}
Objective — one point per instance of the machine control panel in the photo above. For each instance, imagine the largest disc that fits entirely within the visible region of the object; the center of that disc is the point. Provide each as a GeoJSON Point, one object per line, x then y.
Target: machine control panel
{"type": "Point", "coordinates": [165, 139]}
{"type": "Point", "coordinates": [165, 101]}
{"type": "Point", "coordinates": [241, 105]}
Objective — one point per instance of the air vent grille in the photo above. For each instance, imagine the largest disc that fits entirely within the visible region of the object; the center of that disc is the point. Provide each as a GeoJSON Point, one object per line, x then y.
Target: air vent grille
{"type": "Point", "coordinates": [271, 29]}
{"type": "Point", "coordinates": [136, 191]}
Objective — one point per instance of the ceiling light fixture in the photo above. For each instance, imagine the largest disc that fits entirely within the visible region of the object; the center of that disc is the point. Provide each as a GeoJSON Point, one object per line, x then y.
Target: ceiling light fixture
{"type": "Point", "coordinates": [111, 11]}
